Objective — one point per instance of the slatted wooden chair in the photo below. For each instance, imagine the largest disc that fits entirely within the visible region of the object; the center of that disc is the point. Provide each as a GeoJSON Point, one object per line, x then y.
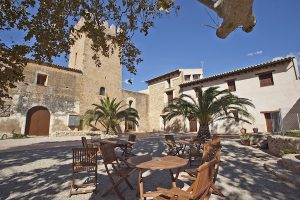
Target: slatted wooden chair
{"type": "Point", "coordinates": [173, 148]}
{"type": "Point", "coordinates": [115, 167]}
{"type": "Point", "coordinates": [94, 145]}
{"type": "Point", "coordinates": [196, 149]}
{"type": "Point", "coordinates": [127, 150]}
{"type": "Point", "coordinates": [85, 143]}
{"type": "Point", "coordinates": [212, 150]}
{"type": "Point", "coordinates": [200, 189]}
{"type": "Point", "coordinates": [84, 161]}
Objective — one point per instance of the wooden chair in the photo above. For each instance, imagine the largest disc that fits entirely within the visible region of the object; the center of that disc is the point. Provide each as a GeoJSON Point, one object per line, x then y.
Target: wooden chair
{"type": "Point", "coordinates": [85, 143]}
{"type": "Point", "coordinates": [195, 149]}
{"type": "Point", "coordinates": [173, 148]}
{"type": "Point", "coordinates": [200, 189]}
{"type": "Point", "coordinates": [84, 161]}
{"type": "Point", "coordinates": [212, 150]}
{"type": "Point", "coordinates": [115, 167]}
{"type": "Point", "coordinates": [95, 145]}
{"type": "Point", "coordinates": [128, 148]}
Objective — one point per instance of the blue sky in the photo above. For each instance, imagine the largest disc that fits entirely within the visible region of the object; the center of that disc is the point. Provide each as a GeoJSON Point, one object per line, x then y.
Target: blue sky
{"type": "Point", "coordinates": [184, 41]}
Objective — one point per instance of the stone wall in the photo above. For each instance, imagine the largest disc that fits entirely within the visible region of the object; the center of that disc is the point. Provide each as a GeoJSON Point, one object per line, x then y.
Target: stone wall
{"type": "Point", "coordinates": [60, 96]}
{"type": "Point", "coordinates": [277, 143]}
{"type": "Point", "coordinates": [140, 102]}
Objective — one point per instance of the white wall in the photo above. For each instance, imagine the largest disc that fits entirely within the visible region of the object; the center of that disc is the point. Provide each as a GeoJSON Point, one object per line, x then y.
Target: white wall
{"type": "Point", "coordinates": [280, 96]}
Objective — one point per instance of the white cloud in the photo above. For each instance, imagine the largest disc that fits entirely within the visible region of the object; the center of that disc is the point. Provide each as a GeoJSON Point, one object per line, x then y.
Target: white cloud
{"type": "Point", "coordinates": [255, 53]}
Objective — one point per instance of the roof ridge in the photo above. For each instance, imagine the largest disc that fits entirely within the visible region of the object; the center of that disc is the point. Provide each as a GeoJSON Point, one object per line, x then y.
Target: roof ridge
{"type": "Point", "coordinates": [243, 69]}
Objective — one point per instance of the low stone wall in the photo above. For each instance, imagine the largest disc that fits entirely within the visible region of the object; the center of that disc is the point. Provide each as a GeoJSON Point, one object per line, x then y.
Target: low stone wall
{"type": "Point", "coordinates": [278, 143]}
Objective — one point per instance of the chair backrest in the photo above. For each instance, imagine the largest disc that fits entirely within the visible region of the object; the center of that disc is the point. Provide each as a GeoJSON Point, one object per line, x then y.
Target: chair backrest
{"type": "Point", "coordinates": [212, 150]}
{"type": "Point", "coordinates": [84, 142]}
{"type": "Point", "coordinates": [108, 153]}
{"type": "Point", "coordinates": [204, 180]}
{"type": "Point", "coordinates": [131, 137]}
{"type": "Point", "coordinates": [84, 157]}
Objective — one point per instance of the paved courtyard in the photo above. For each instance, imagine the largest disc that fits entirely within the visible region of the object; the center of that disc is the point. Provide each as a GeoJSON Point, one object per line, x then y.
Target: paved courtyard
{"type": "Point", "coordinates": [42, 170]}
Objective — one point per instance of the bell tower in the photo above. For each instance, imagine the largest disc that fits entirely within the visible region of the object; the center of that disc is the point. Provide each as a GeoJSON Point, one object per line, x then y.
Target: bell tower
{"type": "Point", "coordinates": [96, 82]}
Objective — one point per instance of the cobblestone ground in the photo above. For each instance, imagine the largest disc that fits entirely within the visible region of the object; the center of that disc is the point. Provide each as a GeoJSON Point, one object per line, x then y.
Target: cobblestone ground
{"type": "Point", "coordinates": [44, 171]}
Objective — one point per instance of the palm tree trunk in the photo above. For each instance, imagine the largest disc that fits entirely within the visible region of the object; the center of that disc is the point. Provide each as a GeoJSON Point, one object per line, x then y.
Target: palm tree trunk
{"type": "Point", "coordinates": [107, 129]}
{"type": "Point", "coordinates": [204, 132]}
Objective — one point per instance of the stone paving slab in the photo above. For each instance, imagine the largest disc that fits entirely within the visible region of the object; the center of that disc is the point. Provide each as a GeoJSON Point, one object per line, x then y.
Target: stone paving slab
{"type": "Point", "coordinates": [45, 174]}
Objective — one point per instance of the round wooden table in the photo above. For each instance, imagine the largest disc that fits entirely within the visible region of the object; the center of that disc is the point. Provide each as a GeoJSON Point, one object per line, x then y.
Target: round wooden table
{"type": "Point", "coordinates": [148, 162]}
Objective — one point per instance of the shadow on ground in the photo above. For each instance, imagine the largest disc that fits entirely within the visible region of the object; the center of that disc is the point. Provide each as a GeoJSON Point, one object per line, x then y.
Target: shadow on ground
{"type": "Point", "coordinates": [45, 174]}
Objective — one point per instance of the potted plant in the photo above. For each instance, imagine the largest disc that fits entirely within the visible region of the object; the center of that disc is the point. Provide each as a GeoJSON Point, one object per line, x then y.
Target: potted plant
{"type": "Point", "coordinates": [255, 130]}
{"type": "Point", "coordinates": [245, 139]}
{"type": "Point", "coordinates": [243, 131]}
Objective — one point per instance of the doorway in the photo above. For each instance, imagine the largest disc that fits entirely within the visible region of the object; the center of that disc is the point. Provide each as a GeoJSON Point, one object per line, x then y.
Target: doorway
{"type": "Point", "coordinates": [193, 124]}
{"type": "Point", "coordinates": [37, 121]}
{"type": "Point", "coordinates": [273, 121]}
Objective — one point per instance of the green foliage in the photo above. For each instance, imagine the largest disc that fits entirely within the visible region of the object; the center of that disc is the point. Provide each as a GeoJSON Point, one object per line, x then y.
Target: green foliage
{"type": "Point", "coordinates": [286, 151]}
{"type": "Point", "coordinates": [46, 26]}
{"type": "Point", "coordinates": [17, 135]}
{"type": "Point", "coordinates": [291, 133]}
{"type": "Point", "coordinates": [110, 113]}
{"type": "Point", "coordinates": [245, 137]}
{"type": "Point", "coordinates": [210, 106]}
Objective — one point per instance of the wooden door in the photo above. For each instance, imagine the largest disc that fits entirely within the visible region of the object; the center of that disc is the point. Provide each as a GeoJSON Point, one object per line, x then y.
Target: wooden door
{"type": "Point", "coordinates": [193, 125]}
{"type": "Point", "coordinates": [268, 122]}
{"type": "Point", "coordinates": [37, 121]}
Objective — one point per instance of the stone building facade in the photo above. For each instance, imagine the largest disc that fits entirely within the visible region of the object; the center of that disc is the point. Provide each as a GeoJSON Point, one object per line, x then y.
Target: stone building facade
{"type": "Point", "coordinates": [54, 98]}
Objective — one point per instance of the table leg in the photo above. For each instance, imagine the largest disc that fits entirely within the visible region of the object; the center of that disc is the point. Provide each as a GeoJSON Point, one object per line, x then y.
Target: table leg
{"type": "Point", "coordinates": [141, 186]}
{"type": "Point", "coordinates": [174, 179]}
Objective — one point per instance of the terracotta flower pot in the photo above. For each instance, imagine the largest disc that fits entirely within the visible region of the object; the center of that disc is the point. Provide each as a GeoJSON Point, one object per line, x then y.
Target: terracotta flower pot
{"type": "Point", "coordinates": [243, 131]}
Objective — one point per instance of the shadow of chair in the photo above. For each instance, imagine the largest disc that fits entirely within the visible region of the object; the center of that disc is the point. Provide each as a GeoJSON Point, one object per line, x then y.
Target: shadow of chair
{"type": "Point", "coordinates": [84, 161]}
{"type": "Point", "coordinates": [115, 167]}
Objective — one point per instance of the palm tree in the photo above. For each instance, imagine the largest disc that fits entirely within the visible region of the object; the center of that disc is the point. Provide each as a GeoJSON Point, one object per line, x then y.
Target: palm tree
{"type": "Point", "coordinates": [178, 107]}
{"type": "Point", "coordinates": [211, 105]}
{"type": "Point", "coordinates": [110, 113]}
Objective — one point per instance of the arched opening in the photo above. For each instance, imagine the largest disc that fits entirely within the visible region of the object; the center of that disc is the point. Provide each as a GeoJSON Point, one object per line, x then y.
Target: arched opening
{"type": "Point", "coordinates": [102, 91]}
{"type": "Point", "coordinates": [37, 121]}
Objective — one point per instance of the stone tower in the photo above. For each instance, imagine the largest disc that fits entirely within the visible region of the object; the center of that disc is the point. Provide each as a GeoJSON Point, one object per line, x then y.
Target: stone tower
{"type": "Point", "coordinates": [96, 81]}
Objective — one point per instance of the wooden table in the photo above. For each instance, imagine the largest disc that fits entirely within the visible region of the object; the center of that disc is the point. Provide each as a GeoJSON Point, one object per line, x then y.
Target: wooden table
{"type": "Point", "coordinates": [157, 163]}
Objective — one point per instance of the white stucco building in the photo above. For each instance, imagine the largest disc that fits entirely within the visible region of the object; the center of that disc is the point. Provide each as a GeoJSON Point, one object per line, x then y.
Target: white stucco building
{"type": "Point", "coordinates": [273, 87]}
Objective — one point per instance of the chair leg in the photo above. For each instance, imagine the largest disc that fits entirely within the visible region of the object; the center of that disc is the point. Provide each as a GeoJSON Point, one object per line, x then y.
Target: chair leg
{"type": "Point", "coordinates": [128, 183]}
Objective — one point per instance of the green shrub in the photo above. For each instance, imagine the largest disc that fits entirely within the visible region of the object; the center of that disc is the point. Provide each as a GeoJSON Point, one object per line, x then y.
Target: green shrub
{"type": "Point", "coordinates": [290, 133]}
{"type": "Point", "coordinates": [286, 151]}
{"type": "Point", "coordinates": [17, 135]}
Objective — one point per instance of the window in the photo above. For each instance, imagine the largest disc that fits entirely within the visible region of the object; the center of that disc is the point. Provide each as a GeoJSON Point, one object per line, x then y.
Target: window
{"type": "Point", "coordinates": [266, 79]}
{"type": "Point", "coordinates": [196, 76]}
{"type": "Point", "coordinates": [75, 59]}
{"type": "Point", "coordinates": [170, 97]}
{"type": "Point", "coordinates": [168, 83]}
{"type": "Point", "coordinates": [102, 91]}
{"type": "Point", "coordinates": [41, 79]}
{"type": "Point", "coordinates": [74, 120]}
{"type": "Point", "coordinates": [231, 85]}
{"type": "Point", "coordinates": [187, 77]}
